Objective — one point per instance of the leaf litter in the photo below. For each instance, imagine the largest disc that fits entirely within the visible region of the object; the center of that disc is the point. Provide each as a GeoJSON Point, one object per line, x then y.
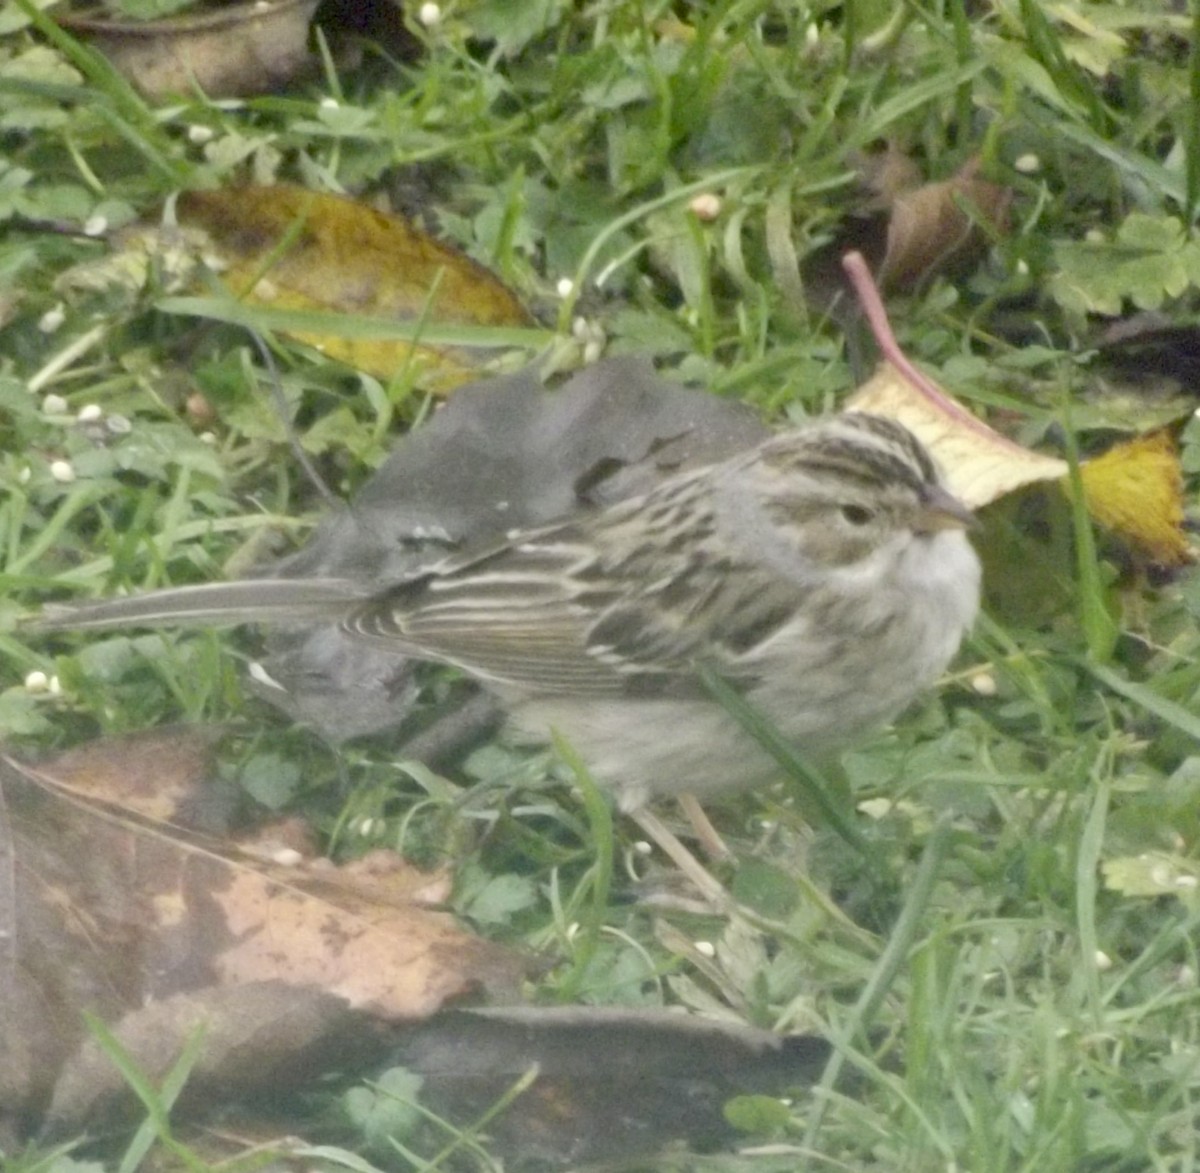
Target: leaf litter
{"type": "Point", "coordinates": [122, 909]}
{"type": "Point", "coordinates": [291, 251]}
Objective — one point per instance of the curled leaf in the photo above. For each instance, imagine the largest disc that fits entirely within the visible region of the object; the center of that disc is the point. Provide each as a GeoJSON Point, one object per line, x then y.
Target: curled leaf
{"type": "Point", "coordinates": [908, 231]}
{"type": "Point", "coordinates": [942, 225]}
{"type": "Point", "coordinates": [980, 465]}
{"type": "Point", "coordinates": [238, 49]}
{"type": "Point", "coordinates": [1135, 490]}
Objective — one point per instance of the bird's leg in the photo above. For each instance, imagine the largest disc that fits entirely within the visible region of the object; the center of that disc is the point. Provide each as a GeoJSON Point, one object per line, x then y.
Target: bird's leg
{"type": "Point", "coordinates": [707, 835]}
{"type": "Point", "coordinates": [667, 841]}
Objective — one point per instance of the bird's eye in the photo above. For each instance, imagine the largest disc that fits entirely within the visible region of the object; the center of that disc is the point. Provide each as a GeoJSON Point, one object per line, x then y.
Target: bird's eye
{"type": "Point", "coordinates": [857, 514]}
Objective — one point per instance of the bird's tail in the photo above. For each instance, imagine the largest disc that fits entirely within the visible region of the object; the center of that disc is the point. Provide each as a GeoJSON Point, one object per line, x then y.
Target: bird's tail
{"type": "Point", "coordinates": [254, 600]}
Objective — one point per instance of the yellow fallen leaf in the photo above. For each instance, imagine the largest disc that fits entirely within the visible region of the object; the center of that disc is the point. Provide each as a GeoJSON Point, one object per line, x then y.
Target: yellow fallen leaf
{"type": "Point", "coordinates": [1135, 489]}
{"type": "Point", "coordinates": [980, 465]}
{"type": "Point", "coordinates": [288, 248]}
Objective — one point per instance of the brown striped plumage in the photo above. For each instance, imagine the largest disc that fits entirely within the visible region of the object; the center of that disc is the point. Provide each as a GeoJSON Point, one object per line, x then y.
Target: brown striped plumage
{"type": "Point", "coordinates": [824, 572]}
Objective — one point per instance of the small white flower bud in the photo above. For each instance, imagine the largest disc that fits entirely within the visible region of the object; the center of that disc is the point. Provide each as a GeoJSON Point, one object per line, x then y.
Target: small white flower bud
{"type": "Point", "coordinates": [95, 225]}
{"type": "Point", "coordinates": [51, 320]}
{"type": "Point", "coordinates": [429, 14]}
{"type": "Point", "coordinates": [89, 412]}
{"type": "Point", "coordinates": [37, 682]}
{"type": "Point", "coordinates": [706, 206]}
{"type": "Point", "coordinates": [1027, 164]}
{"type": "Point", "coordinates": [984, 683]}
{"type": "Point", "coordinates": [706, 949]}
{"type": "Point", "coordinates": [565, 287]}
{"type": "Point", "coordinates": [54, 405]}
{"type": "Point", "coordinates": [62, 471]}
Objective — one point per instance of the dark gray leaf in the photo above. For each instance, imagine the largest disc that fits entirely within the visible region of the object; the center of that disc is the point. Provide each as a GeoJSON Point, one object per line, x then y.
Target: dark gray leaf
{"type": "Point", "coordinates": [613, 1083]}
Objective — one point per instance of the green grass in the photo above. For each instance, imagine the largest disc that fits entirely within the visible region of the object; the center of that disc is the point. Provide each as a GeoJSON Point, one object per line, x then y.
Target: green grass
{"type": "Point", "coordinates": [1031, 1018]}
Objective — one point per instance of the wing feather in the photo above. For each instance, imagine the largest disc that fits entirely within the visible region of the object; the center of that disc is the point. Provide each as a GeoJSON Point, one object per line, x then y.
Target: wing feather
{"type": "Point", "coordinates": [622, 603]}
{"type": "Point", "coordinates": [509, 615]}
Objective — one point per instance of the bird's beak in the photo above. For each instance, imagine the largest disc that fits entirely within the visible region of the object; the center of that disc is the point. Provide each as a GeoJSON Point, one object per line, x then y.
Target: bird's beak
{"type": "Point", "coordinates": [941, 510]}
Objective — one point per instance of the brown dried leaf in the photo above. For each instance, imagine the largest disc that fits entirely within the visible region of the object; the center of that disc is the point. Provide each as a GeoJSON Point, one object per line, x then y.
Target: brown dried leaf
{"type": "Point", "coordinates": [888, 174]}
{"type": "Point", "coordinates": [398, 962]}
{"type": "Point", "coordinates": [114, 915]}
{"type": "Point", "coordinates": [908, 232]}
{"type": "Point", "coordinates": [941, 225]}
{"type": "Point", "coordinates": [235, 51]}
{"type": "Point", "coordinates": [17, 1057]}
{"type": "Point", "coordinates": [76, 938]}
{"type": "Point", "coordinates": [262, 1038]}
{"type": "Point", "coordinates": [340, 255]}
{"type": "Point", "coordinates": [159, 774]}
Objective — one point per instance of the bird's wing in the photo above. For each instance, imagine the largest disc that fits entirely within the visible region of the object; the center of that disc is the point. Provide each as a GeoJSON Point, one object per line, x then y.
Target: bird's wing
{"type": "Point", "coordinates": [512, 615]}
{"type": "Point", "coordinates": [578, 610]}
